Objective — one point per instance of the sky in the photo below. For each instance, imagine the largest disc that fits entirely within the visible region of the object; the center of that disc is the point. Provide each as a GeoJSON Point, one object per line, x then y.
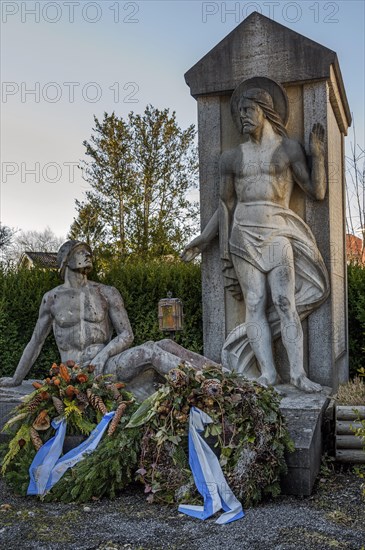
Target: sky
{"type": "Point", "coordinates": [63, 62]}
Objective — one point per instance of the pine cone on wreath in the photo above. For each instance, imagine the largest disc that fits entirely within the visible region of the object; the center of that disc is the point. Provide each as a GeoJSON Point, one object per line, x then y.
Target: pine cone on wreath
{"type": "Point", "coordinates": [58, 405]}
{"type": "Point", "coordinates": [116, 419]}
{"type": "Point", "coordinates": [32, 405]}
{"type": "Point", "coordinates": [35, 439]}
{"type": "Point", "coordinates": [96, 402]}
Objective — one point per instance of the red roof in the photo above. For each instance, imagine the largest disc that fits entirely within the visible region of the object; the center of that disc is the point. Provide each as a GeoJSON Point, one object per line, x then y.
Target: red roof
{"type": "Point", "coordinates": [355, 251]}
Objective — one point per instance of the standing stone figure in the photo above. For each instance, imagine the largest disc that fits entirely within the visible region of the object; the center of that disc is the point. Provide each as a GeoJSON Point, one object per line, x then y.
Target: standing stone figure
{"type": "Point", "coordinates": [84, 315]}
{"type": "Point", "coordinates": [269, 254]}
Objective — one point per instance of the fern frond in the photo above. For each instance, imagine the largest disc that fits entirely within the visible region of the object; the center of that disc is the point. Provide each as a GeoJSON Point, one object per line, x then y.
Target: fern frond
{"type": "Point", "coordinates": [14, 447]}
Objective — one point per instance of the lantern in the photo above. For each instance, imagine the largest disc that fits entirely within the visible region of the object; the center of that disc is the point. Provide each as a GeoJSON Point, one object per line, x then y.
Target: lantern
{"type": "Point", "coordinates": [170, 314]}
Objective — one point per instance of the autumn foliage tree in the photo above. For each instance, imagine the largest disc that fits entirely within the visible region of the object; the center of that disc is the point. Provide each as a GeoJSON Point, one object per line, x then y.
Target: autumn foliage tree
{"type": "Point", "coordinates": [140, 172]}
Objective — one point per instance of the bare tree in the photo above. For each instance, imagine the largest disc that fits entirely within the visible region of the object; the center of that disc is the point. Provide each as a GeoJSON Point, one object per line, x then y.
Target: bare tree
{"type": "Point", "coordinates": [30, 240]}
{"type": "Point", "coordinates": [6, 236]}
{"type": "Point", "coordinates": [355, 189]}
{"type": "Point", "coordinates": [38, 241]}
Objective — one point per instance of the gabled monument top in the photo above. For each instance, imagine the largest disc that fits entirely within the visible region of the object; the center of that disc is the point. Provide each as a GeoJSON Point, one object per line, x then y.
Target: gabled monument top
{"type": "Point", "coordinates": [260, 46]}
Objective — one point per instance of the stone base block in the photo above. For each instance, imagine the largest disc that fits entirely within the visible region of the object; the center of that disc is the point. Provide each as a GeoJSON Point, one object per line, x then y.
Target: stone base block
{"type": "Point", "coordinates": [9, 399]}
{"type": "Point", "coordinates": [305, 416]}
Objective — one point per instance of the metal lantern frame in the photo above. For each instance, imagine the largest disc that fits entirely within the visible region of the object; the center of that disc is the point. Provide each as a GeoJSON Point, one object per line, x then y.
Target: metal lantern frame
{"type": "Point", "coordinates": [170, 315]}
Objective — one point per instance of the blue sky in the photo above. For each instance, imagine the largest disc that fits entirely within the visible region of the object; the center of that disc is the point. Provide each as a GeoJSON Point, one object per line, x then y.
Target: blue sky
{"type": "Point", "coordinates": [83, 58]}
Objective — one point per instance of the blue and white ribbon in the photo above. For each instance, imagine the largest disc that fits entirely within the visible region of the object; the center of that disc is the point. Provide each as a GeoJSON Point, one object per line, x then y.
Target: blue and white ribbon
{"type": "Point", "coordinates": [45, 459]}
{"type": "Point", "coordinates": [47, 467]}
{"type": "Point", "coordinates": [208, 476]}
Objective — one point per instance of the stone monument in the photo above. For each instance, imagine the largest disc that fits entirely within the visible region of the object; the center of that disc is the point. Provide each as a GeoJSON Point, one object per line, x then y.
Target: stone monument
{"type": "Point", "coordinates": [281, 226]}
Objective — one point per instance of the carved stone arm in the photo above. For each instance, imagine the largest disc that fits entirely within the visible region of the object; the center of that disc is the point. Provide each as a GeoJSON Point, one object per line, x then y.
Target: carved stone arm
{"type": "Point", "coordinates": [197, 245]}
{"type": "Point", "coordinates": [121, 324]}
{"type": "Point", "coordinates": [318, 173]}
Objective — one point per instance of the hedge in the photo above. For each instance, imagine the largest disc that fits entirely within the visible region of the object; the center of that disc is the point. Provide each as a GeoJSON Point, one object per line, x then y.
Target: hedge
{"type": "Point", "coordinates": [20, 297]}
{"type": "Point", "coordinates": [142, 285]}
{"type": "Point", "coordinates": [356, 314]}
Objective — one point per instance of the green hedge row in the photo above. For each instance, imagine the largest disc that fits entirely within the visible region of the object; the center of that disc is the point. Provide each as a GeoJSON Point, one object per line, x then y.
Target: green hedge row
{"type": "Point", "coordinates": [21, 294]}
{"type": "Point", "coordinates": [141, 285]}
{"type": "Point", "coordinates": [356, 312]}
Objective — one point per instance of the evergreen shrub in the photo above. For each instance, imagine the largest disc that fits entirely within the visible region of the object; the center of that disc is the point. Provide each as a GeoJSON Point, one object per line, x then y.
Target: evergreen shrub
{"type": "Point", "coordinates": [21, 294]}
{"type": "Point", "coordinates": [356, 314]}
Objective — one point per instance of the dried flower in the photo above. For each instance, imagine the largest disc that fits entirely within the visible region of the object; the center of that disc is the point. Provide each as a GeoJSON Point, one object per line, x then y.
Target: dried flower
{"type": "Point", "coordinates": [199, 377]}
{"type": "Point", "coordinates": [54, 370]}
{"type": "Point", "coordinates": [82, 378]}
{"type": "Point", "coordinates": [70, 391]}
{"type": "Point", "coordinates": [42, 422]}
{"type": "Point", "coordinates": [177, 378]}
{"type": "Point", "coordinates": [212, 387]}
{"type": "Point", "coordinates": [64, 373]}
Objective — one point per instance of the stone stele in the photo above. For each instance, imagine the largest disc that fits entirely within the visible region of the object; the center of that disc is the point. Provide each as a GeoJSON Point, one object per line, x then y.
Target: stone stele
{"type": "Point", "coordinates": [310, 76]}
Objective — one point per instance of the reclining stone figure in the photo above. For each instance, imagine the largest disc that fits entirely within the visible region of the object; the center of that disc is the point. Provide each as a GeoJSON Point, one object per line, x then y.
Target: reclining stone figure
{"type": "Point", "coordinates": [84, 315]}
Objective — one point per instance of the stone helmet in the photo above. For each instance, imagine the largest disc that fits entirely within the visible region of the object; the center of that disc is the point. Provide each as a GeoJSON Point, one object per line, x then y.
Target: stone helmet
{"type": "Point", "coordinates": [64, 254]}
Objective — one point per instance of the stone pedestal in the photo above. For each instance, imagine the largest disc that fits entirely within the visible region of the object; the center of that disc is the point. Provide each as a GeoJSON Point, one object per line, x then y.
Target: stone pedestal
{"type": "Point", "coordinates": [304, 414]}
{"type": "Point", "coordinates": [9, 399]}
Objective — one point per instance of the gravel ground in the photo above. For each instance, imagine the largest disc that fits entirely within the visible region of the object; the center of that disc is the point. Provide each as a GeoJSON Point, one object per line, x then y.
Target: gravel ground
{"type": "Point", "coordinates": [333, 517]}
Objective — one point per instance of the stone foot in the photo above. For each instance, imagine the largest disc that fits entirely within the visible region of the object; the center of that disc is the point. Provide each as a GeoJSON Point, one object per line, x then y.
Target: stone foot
{"type": "Point", "coordinates": [303, 383]}
{"type": "Point", "coordinates": [280, 391]}
{"type": "Point", "coordinates": [269, 379]}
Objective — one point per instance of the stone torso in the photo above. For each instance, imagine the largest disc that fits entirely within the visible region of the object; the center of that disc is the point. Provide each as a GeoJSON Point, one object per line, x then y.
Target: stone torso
{"type": "Point", "coordinates": [81, 323]}
{"type": "Point", "coordinates": [261, 173]}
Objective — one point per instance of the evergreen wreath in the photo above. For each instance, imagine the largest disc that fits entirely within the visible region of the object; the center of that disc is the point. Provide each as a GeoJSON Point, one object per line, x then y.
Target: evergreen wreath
{"type": "Point", "coordinates": [248, 434]}
{"type": "Point", "coordinates": [83, 399]}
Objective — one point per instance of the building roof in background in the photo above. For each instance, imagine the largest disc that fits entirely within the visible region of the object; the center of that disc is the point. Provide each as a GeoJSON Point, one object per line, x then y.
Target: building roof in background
{"type": "Point", "coordinates": [354, 249]}
{"type": "Point", "coordinates": [39, 259]}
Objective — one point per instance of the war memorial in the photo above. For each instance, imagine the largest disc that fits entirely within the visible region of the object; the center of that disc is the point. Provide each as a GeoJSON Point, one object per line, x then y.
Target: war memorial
{"type": "Point", "coordinates": [272, 116]}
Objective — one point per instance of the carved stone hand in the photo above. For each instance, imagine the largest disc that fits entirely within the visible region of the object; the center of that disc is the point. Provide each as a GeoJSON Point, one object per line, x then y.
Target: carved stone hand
{"type": "Point", "coordinates": [9, 382]}
{"type": "Point", "coordinates": [316, 140]}
{"type": "Point", "coordinates": [189, 253]}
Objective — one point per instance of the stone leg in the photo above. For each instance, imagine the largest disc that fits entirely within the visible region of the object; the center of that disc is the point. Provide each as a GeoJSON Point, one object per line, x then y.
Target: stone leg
{"type": "Point", "coordinates": [253, 285]}
{"type": "Point", "coordinates": [195, 359]}
{"type": "Point", "coordinates": [133, 362]}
